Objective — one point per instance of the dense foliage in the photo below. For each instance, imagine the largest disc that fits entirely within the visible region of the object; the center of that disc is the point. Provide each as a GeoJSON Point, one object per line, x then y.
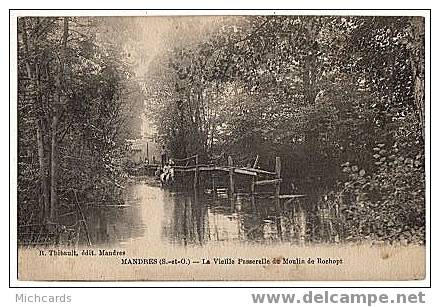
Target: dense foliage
{"type": "Point", "coordinates": [339, 99]}
{"type": "Point", "coordinates": [73, 96]}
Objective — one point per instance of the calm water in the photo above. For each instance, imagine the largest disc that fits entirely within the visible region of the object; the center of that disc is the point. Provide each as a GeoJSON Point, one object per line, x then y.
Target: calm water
{"type": "Point", "coordinates": [185, 218]}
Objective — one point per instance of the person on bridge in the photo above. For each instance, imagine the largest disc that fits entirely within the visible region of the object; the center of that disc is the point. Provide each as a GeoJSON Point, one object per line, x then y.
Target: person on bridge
{"type": "Point", "coordinates": [166, 168]}
{"type": "Point", "coordinates": [167, 175]}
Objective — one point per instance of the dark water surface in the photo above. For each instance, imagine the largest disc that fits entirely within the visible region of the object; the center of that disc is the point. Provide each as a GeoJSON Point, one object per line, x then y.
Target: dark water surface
{"type": "Point", "coordinates": [155, 214]}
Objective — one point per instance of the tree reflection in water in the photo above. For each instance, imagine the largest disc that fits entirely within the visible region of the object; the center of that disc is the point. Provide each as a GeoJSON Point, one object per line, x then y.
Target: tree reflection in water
{"type": "Point", "coordinates": [204, 219]}
{"type": "Point", "coordinates": [157, 216]}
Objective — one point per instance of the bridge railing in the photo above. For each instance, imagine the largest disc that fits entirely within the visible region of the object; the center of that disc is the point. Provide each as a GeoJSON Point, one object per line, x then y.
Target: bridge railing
{"type": "Point", "coordinates": [188, 161]}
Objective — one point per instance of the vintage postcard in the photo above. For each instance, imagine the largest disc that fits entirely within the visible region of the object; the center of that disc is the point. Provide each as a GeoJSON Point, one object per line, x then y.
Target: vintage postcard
{"type": "Point", "coordinates": [220, 147]}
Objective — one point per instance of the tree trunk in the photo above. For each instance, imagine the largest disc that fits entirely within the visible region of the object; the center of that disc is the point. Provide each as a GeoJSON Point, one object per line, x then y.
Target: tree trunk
{"type": "Point", "coordinates": [58, 103]}
{"type": "Point", "coordinates": [45, 197]}
{"type": "Point", "coordinates": [310, 65]}
{"type": "Point", "coordinates": [43, 153]}
{"type": "Point", "coordinates": [54, 168]}
{"type": "Point", "coordinates": [417, 55]}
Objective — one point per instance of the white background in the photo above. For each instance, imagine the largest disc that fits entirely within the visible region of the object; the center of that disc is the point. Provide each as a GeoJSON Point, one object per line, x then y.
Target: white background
{"type": "Point", "coordinates": [196, 297]}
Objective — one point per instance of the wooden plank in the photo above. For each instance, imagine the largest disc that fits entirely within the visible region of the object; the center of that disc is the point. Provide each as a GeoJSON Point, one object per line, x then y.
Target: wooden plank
{"type": "Point", "coordinates": [214, 168]}
{"type": "Point", "coordinates": [245, 172]}
{"type": "Point", "coordinates": [241, 170]}
{"type": "Point", "coordinates": [291, 196]}
{"type": "Point", "coordinates": [259, 171]}
{"type": "Point", "coordinates": [266, 182]}
{"type": "Point", "coordinates": [183, 170]}
{"type": "Point", "coordinates": [201, 168]}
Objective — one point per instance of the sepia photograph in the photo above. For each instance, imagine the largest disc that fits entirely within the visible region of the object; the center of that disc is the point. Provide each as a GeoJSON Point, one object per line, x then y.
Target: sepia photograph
{"type": "Point", "coordinates": [233, 147]}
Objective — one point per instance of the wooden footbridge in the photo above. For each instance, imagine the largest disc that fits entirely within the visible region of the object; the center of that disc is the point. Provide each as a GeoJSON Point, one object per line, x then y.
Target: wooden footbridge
{"type": "Point", "coordinates": [191, 168]}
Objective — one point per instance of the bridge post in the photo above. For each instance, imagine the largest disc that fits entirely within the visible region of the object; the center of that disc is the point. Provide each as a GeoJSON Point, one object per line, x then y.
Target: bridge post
{"type": "Point", "coordinates": [231, 177]}
{"type": "Point", "coordinates": [277, 185]}
{"type": "Point", "coordinates": [214, 188]}
{"type": "Point", "coordinates": [256, 162]}
{"type": "Point", "coordinates": [196, 173]}
{"type": "Point", "coordinates": [253, 192]}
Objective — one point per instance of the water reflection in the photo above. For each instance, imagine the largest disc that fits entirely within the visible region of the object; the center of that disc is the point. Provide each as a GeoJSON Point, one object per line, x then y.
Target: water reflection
{"type": "Point", "coordinates": [157, 215]}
